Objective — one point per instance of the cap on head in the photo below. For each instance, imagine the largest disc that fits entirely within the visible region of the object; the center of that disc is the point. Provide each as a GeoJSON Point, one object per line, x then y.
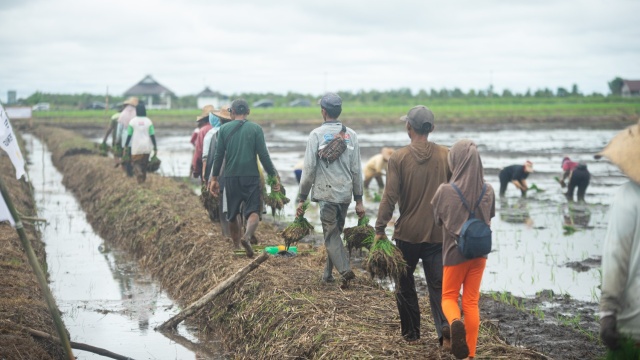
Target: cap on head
{"type": "Point", "coordinates": [331, 101]}
{"type": "Point", "coordinates": [131, 101]}
{"type": "Point", "coordinates": [418, 116]}
{"type": "Point", "coordinates": [240, 107]}
{"type": "Point", "coordinates": [224, 112]}
{"type": "Point", "coordinates": [204, 116]}
{"type": "Point", "coordinates": [624, 151]}
{"type": "Point", "coordinates": [528, 166]}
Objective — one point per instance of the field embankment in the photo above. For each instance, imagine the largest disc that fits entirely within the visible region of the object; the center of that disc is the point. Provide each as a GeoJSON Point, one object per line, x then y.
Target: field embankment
{"type": "Point", "coordinates": [279, 311]}
{"type": "Point", "coordinates": [22, 303]}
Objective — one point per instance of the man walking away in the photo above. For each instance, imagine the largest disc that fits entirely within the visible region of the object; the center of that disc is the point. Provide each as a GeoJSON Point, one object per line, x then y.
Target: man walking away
{"type": "Point", "coordinates": [332, 184]}
{"type": "Point", "coordinates": [141, 135]}
{"type": "Point", "coordinates": [414, 174]}
{"type": "Point", "coordinates": [239, 142]}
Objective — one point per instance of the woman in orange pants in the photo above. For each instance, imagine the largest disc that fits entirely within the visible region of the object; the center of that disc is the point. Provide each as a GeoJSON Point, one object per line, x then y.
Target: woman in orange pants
{"type": "Point", "coordinates": [460, 272]}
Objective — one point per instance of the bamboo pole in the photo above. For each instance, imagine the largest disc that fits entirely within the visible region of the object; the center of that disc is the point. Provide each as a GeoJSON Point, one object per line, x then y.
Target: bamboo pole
{"type": "Point", "coordinates": [42, 280]}
{"type": "Point", "coordinates": [218, 290]}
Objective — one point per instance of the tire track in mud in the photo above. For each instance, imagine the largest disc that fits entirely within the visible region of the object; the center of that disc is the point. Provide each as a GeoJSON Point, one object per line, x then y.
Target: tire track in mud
{"type": "Point", "coordinates": [280, 310]}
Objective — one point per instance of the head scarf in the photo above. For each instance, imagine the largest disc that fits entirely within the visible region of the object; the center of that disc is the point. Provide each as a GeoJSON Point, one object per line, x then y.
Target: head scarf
{"type": "Point", "coordinates": [214, 121]}
{"type": "Point", "coordinates": [468, 175]}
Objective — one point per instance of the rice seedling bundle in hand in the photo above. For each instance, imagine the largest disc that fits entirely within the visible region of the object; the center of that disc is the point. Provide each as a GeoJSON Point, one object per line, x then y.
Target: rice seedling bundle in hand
{"type": "Point", "coordinates": [359, 236]}
{"type": "Point", "coordinates": [385, 260]}
{"type": "Point", "coordinates": [276, 199]}
{"type": "Point", "coordinates": [298, 229]}
{"type": "Point", "coordinates": [154, 164]}
{"type": "Point", "coordinates": [536, 188]}
{"type": "Point", "coordinates": [103, 149]}
{"type": "Point", "coordinates": [210, 204]}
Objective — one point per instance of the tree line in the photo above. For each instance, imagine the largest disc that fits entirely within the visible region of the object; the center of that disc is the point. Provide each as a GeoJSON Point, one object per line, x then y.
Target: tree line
{"type": "Point", "coordinates": [401, 96]}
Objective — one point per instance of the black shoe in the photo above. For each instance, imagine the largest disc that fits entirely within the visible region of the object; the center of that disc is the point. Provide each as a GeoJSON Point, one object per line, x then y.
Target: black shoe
{"type": "Point", "coordinates": [459, 347]}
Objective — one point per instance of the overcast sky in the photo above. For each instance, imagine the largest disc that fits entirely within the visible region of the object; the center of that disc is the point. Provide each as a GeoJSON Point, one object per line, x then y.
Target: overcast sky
{"type": "Point", "coordinates": [74, 46]}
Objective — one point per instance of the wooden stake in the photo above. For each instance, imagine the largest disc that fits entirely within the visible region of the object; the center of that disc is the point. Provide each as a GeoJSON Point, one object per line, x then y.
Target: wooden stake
{"type": "Point", "coordinates": [218, 290]}
{"type": "Point", "coordinates": [42, 280]}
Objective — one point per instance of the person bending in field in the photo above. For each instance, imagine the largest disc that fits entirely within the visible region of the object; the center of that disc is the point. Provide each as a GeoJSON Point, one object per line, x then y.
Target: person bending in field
{"type": "Point", "coordinates": [376, 166]}
{"type": "Point", "coordinates": [578, 176]}
{"type": "Point", "coordinates": [517, 175]}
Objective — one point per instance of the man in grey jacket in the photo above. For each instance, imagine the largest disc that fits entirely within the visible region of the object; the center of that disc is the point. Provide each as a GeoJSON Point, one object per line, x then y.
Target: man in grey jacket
{"type": "Point", "coordinates": [332, 185]}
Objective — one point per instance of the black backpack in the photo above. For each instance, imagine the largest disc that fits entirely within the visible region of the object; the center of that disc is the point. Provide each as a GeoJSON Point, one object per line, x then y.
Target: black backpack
{"type": "Point", "coordinates": [475, 237]}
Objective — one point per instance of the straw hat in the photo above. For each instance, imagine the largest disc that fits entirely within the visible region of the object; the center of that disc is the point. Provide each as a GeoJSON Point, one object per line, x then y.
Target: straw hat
{"type": "Point", "coordinates": [386, 153]}
{"type": "Point", "coordinates": [223, 113]}
{"type": "Point", "coordinates": [205, 112]}
{"type": "Point", "coordinates": [131, 101]}
{"type": "Point", "coordinates": [624, 151]}
{"type": "Point", "coordinates": [528, 166]}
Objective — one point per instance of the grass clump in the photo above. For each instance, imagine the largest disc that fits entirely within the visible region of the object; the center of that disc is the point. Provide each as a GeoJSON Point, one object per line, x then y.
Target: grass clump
{"type": "Point", "coordinates": [385, 260]}
{"type": "Point", "coordinates": [299, 228]}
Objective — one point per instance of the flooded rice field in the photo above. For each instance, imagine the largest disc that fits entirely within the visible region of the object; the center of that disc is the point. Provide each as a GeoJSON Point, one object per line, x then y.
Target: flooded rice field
{"type": "Point", "coordinates": [105, 300]}
{"type": "Point", "coordinates": [532, 249]}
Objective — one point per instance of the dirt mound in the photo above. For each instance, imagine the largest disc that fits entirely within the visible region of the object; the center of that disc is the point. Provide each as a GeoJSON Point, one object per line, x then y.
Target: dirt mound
{"type": "Point", "coordinates": [21, 301]}
{"type": "Point", "coordinates": [282, 310]}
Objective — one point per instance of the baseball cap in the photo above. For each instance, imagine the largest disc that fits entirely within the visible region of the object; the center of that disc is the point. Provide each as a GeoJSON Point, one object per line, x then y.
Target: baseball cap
{"type": "Point", "coordinates": [331, 101]}
{"type": "Point", "coordinates": [419, 115]}
{"type": "Point", "coordinates": [240, 106]}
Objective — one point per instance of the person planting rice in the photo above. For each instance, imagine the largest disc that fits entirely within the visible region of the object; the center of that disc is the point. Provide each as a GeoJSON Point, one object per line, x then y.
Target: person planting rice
{"type": "Point", "coordinates": [238, 144]}
{"type": "Point", "coordinates": [414, 174]}
{"type": "Point", "coordinates": [141, 135]}
{"type": "Point", "coordinates": [578, 176]}
{"type": "Point", "coordinates": [332, 175]}
{"type": "Point", "coordinates": [127, 113]}
{"type": "Point", "coordinates": [517, 175]}
{"type": "Point", "coordinates": [376, 166]}
{"type": "Point", "coordinates": [459, 271]}
{"type": "Point", "coordinates": [620, 299]}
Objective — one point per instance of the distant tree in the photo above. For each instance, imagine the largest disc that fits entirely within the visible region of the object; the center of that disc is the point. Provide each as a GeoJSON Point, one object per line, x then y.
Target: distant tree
{"type": "Point", "coordinates": [574, 90]}
{"type": "Point", "coordinates": [562, 92]}
{"type": "Point", "coordinates": [472, 93]}
{"type": "Point", "coordinates": [528, 93]}
{"type": "Point", "coordinates": [615, 86]}
{"type": "Point", "coordinates": [433, 93]}
{"type": "Point", "coordinates": [457, 93]}
{"type": "Point", "coordinates": [507, 93]}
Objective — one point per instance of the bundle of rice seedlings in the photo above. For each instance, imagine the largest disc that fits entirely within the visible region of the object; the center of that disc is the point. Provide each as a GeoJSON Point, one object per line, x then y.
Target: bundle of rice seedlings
{"type": "Point", "coordinates": [377, 197]}
{"type": "Point", "coordinates": [154, 164]}
{"type": "Point", "coordinates": [117, 150]}
{"type": "Point", "coordinates": [103, 149]}
{"type": "Point", "coordinates": [536, 188]}
{"type": "Point", "coordinates": [210, 204]}
{"type": "Point", "coordinates": [359, 236]}
{"type": "Point", "coordinates": [385, 260]}
{"type": "Point", "coordinates": [276, 199]}
{"type": "Point", "coordinates": [298, 229]}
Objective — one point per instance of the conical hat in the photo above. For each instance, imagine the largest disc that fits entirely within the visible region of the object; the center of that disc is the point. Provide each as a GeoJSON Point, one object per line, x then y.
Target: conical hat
{"type": "Point", "coordinates": [205, 112]}
{"type": "Point", "coordinates": [624, 151]}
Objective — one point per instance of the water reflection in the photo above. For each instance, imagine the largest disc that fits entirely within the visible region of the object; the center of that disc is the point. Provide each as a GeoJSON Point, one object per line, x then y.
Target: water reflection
{"type": "Point", "coordinates": [516, 211]}
{"type": "Point", "coordinates": [576, 217]}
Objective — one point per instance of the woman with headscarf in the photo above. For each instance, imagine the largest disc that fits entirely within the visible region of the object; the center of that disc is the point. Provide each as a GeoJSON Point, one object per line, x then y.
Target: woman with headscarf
{"type": "Point", "coordinates": [450, 212]}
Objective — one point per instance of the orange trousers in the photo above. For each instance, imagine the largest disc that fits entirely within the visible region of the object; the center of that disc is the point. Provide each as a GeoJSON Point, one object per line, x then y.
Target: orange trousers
{"type": "Point", "coordinates": [467, 275]}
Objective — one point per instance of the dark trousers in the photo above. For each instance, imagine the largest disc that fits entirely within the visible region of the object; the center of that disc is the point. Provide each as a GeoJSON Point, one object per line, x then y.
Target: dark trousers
{"type": "Point", "coordinates": [579, 178]}
{"type": "Point", "coordinates": [407, 297]}
{"type": "Point", "coordinates": [505, 179]}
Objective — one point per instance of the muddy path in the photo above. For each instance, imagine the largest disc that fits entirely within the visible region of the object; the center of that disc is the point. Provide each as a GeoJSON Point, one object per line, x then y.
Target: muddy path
{"type": "Point", "coordinates": [280, 310]}
{"type": "Point", "coordinates": [21, 301]}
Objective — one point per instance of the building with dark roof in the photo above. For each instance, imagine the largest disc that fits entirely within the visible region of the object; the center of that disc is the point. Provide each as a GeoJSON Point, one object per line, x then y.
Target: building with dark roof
{"type": "Point", "coordinates": [154, 95]}
{"type": "Point", "coordinates": [210, 97]}
{"type": "Point", "coordinates": [630, 88]}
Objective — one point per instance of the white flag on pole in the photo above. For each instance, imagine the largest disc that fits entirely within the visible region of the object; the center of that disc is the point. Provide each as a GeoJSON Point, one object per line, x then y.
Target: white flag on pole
{"type": "Point", "coordinates": [4, 213]}
{"type": "Point", "coordinates": [9, 144]}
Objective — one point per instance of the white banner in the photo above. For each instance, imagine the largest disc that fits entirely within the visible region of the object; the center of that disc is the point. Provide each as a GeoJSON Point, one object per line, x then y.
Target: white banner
{"type": "Point", "coordinates": [9, 143]}
{"type": "Point", "coordinates": [4, 212]}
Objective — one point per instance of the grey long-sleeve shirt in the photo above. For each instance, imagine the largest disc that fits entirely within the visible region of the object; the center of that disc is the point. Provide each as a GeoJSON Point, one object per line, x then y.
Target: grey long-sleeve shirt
{"type": "Point", "coordinates": [621, 261]}
{"type": "Point", "coordinates": [336, 181]}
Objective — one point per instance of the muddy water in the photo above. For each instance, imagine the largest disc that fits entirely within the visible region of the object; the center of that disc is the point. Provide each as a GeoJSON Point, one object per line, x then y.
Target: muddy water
{"type": "Point", "coordinates": [105, 300]}
{"type": "Point", "coordinates": [531, 251]}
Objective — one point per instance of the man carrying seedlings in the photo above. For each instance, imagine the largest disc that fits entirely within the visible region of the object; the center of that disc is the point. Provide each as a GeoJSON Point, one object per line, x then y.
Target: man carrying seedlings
{"type": "Point", "coordinates": [239, 142]}
{"type": "Point", "coordinates": [620, 299]}
{"type": "Point", "coordinates": [141, 136]}
{"type": "Point", "coordinates": [127, 113]}
{"type": "Point", "coordinates": [414, 174]}
{"type": "Point", "coordinates": [332, 183]}
{"type": "Point", "coordinates": [517, 175]}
